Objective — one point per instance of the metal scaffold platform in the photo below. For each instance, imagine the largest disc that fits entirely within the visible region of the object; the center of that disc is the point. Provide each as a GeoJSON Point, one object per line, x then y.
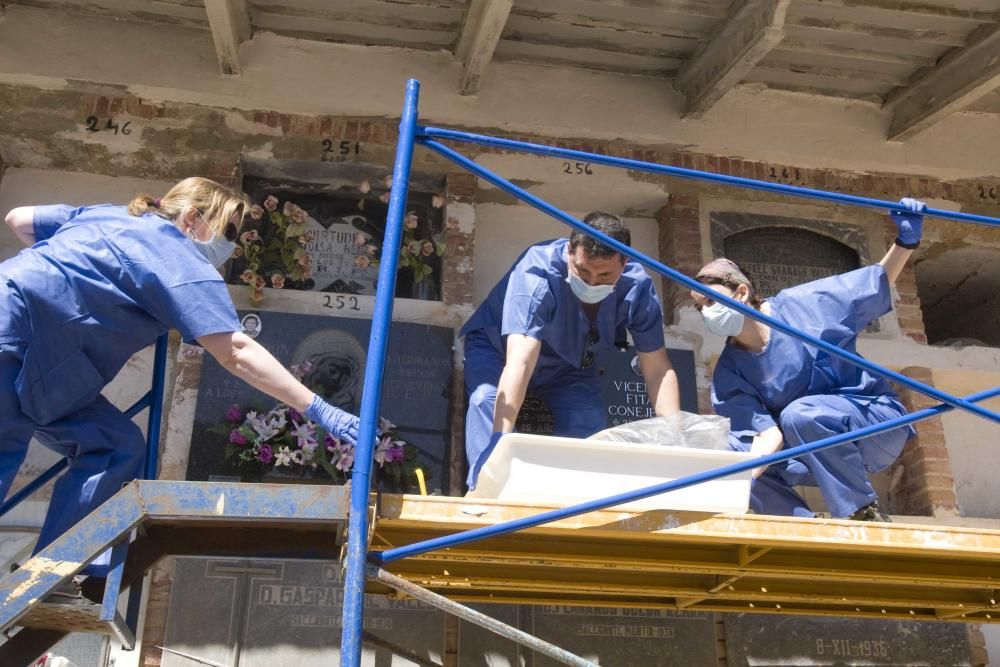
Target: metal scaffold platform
{"type": "Point", "coordinates": [696, 561]}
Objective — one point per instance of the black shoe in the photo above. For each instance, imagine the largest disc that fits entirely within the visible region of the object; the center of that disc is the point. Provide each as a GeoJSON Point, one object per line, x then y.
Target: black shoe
{"type": "Point", "coordinates": [871, 512]}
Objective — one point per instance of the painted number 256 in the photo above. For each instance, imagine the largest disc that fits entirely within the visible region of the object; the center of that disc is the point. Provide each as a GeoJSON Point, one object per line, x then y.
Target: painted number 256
{"type": "Point", "coordinates": [577, 168]}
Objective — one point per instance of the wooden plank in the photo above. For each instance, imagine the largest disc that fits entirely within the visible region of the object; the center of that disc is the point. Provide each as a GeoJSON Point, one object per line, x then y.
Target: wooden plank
{"type": "Point", "coordinates": [230, 24]}
{"type": "Point", "coordinates": [962, 77]}
{"type": "Point", "coordinates": [481, 32]}
{"type": "Point", "coordinates": [755, 28]}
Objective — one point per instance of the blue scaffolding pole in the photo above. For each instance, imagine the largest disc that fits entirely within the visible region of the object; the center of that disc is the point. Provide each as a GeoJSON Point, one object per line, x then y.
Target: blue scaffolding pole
{"type": "Point", "coordinates": [410, 134]}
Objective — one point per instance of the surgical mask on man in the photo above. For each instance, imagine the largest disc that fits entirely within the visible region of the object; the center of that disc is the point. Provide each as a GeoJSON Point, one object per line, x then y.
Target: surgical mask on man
{"type": "Point", "coordinates": [722, 320]}
{"type": "Point", "coordinates": [216, 251]}
{"type": "Point", "coordinates": [588, 293]}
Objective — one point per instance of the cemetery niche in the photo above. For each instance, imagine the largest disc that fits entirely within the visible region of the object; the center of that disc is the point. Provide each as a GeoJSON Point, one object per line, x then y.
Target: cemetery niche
{"type": "Point", "coordinates": [241, 433]}
{"type": "Point", "coordinates": [328, 236]}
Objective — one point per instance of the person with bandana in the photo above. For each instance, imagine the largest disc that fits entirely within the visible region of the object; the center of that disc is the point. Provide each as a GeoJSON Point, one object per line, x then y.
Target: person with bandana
{"type": "Point", "coordinates": [540, 328]}
{"type": "Point", "coordinates": [97, 285]}
{"type": "Point", "coordinates": [779, 392]}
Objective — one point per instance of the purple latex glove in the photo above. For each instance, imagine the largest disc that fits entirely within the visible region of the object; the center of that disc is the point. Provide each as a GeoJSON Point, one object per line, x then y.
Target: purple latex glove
{"type": "Point", "coordinates": [911, 225]}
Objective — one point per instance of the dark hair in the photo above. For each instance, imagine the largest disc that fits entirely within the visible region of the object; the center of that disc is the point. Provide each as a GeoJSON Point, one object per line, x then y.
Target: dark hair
{"type": "Point", "coordinates": [606, 223]}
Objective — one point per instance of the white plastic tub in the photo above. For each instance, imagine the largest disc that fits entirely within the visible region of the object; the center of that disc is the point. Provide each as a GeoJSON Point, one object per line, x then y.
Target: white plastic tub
{"type": "Point", "coordinates": [563, 471]}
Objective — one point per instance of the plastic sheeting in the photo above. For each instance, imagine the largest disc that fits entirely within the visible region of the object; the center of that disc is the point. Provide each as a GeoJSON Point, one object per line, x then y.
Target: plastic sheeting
{"type": "Point", "coordinates": [683, 429]}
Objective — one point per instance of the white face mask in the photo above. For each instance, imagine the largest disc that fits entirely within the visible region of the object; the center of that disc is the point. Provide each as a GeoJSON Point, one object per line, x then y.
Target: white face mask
{"type": "Point", "coordinates": [588, 293]}
{"type": "Point", "coordinates": [216, 251]}
{"type": "Point", "coordinates": [722, 320]}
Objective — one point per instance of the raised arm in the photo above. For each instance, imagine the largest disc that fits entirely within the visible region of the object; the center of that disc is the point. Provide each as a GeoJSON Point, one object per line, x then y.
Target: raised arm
{"type": "Point", "coordinates": [910, 226]}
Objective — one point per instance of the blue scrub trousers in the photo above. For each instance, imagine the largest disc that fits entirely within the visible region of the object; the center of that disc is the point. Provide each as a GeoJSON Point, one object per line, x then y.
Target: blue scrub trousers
{"type": "Point", "coordinates": [105, 450]}
{"type": "Point", "coordinates": [840, 472]}
{"type": "Point", "coordinates": [574, 397]}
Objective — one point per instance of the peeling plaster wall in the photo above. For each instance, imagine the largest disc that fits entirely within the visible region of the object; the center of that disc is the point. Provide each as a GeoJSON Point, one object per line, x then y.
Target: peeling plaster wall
{"type": "Point", "coordinates": [163, 62]}
{"type": "Point", "coordinates": [972, 442]}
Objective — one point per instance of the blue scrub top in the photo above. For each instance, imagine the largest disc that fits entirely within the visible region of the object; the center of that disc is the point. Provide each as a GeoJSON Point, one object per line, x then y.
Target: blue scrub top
{"type": "Point", "coordinates": [98, 286]}
{"type": "Point", "coordinates": [752, 389]}
{"type": "Point", "coordinates": [535, 300]}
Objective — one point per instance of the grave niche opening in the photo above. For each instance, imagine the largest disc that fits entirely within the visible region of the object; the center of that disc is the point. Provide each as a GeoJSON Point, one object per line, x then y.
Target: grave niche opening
{"type": "Point", "coordinates": [780, 257]}
{"type": "Point", "coordinates": [329, 236]}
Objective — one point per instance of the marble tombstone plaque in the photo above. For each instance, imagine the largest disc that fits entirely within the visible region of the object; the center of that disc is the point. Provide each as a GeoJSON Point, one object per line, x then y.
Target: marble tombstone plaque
{"type": "Point", "coordinates": [781, 252]}
{"type": "Point", "coordinates": [623, 391]}
{"type": "Point", "coordinates": [344, 224]}
{"type": "Point", "coordinates": [264, 613]}
{"type": "Point", "coordinates": [760, 640]}
{"type": "Point", "coordinates": [415, 396]}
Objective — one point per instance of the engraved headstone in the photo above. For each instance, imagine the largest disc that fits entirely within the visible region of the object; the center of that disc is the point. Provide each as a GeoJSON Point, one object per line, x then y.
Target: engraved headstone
{"type": "Point", "coordinates": [781, 252]}
{"type": "Point", "coordinates": [478, 647]}
{"type": "Point", "coordinates": [415, 394]}
{"type": "Point", "coordinates": [257, 613]}
{"type": "Point", "coordinates": [623, 391]}
{"type": "Point", "coordinates": [647, 637]}
{"type": "Point", "coordinates": [759, 640]}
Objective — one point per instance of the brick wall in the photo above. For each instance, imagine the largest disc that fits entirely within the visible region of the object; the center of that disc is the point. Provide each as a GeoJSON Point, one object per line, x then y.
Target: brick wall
{"type": "Point", "coordinates": [923, 482]}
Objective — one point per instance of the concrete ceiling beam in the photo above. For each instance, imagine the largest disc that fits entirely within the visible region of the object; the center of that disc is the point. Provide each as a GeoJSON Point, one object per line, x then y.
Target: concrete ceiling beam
{"type": "Point", "coordinates": [481, 32]}
{"type": "Point", "coordinates": [230, 24]}
{"type": "Point", "coordinates": [752, 31]}
{"type": "Point", "coordinates": [960, 78]}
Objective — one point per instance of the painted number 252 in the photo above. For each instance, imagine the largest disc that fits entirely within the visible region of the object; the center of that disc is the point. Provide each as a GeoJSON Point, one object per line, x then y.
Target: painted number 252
{"type": "Point", "coordinates": [340, 302]}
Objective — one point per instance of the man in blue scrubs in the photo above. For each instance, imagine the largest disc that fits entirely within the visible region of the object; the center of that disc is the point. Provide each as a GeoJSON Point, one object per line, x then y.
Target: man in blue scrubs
{"type": "Point", "coordinates": [540, 327]}
{"type": "Point", "coordinates": [779, 392]}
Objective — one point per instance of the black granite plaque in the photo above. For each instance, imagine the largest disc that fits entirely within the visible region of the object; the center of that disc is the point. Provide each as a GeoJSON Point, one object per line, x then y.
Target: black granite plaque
{"type": "Point", "coordinates": [415, 395]}
{"type": "Point", "coordinates": [623, 391]}
{"type": "Point", "coordinates": [647, 637]}
{"type": "Point", "coordinates": [773, 641]}
{"type": "Point", "coordinates": [272, 613]}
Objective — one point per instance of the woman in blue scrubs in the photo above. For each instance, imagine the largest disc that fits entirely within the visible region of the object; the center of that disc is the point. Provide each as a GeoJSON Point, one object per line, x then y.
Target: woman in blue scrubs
{"type": "Point", "coordinates": [780, 392]}
{"type": "Point", "coordinates": [541, 326]}
{"type": "Point", "coordinates": [96, 285]}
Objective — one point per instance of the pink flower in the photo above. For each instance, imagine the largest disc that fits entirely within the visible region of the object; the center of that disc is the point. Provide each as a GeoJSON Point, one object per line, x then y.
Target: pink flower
{"type": "Point", "coordinates": [384, 197]}
{"type": "Point", "coordinates": [259, 283]}
{"type": "Point", "coordinates": [237, 251]}
{"type": "Point", "coordinates": [395, 455]}
{"type": "Point", "coordinates": [346, 459]}
{"type": "Point", "coordinates": [249, 237]}
{"type": "Point", "coordinates": [299, 215]}
{"type": "Point", "coordinates": [249, 277]}
{"type": "Point", "coordinates": [388, 181]}
{"type": "Point", "coordinates": [256, 212]}
{"type": "Point", "coordinates": [238, 438]}
{"type": "Point", "coordinates": [414, 248]}
{"type": "Point", "coordinates": [427, 249]}
{"type": "Point", "coordinates": [365, 187]}
{"type": "Point", "coordinates": [277, 281]}
{"type": "Point", "coordinates": [437, 201]}
{"type": "Point", "coordinates": [257, 296]}
{"type": "Point", "coordinates": [303, 259]}
{"type": "Point", "coordinates": [306, 237]}
{"type": "Point", "coordinates": [266, 454]}
{"type": "Point", "coordinates": [362, 261]}
{"type": "Point", "coordinates": [271, 203]}
{"type": "Point", "coordinates": [294, 415]}
{"type": "Point", "coordinates": [411, 220]}
{"type": "Point", "coordinates": [234, 414]}
{"type": "Point", "coordinates": [371, 249]}
{"type": "Point", "coordinates": [360, 238]}
{"type": "Point", "coordinates": [288, 208]}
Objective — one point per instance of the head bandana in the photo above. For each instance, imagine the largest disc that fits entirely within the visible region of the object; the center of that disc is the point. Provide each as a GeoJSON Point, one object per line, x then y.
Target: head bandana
{"type": "Point", "coordinates": [723, 271]}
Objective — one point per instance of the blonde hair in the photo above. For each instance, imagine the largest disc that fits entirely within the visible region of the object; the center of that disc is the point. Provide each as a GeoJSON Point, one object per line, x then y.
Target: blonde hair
{"type": "Point", "coordinates": [216, 202]}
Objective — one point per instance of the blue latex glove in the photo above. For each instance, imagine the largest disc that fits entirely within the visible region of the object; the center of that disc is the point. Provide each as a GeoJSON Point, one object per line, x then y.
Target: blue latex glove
{"type": "Point", "coordinates": [911, 225]}
{"type": "Point", "coordinates": [340, 424]}
{"type": "Point", "coordinates": [481, 461]}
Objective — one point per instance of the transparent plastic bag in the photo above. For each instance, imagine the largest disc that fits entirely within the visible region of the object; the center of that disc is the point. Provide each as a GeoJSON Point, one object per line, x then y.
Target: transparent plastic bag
{"type": "Point", "coordinates": [683, 429]}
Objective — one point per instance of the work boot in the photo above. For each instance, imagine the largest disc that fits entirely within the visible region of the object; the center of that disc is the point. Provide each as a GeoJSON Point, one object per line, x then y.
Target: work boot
{"type": "Point", "coordinates": [871, 512]}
